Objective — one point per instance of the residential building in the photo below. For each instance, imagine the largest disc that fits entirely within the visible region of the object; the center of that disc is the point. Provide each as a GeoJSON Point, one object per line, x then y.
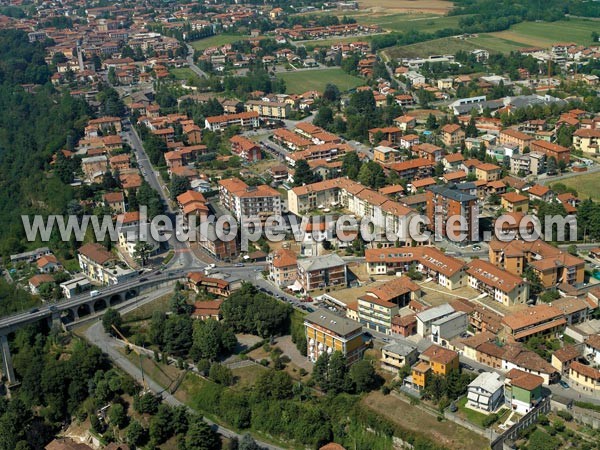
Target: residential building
{"type": "Point", "coordinates": [270, 110]}
{"type": "Point", "coordinates": [48, 264]}
{"type": "Point", "coordinates": [36, 281]}
{"type": "Point", "coordinates": [486, 392]}
{"type": "Point", "coordinates": [540, 193]}
{"type": "Point", "coordinates": [75, 286]}
{"type": "Point", "coordinates": [452, 135]}
{"type": "Point", "coordinates": [446, 328]}
{"type": "Point", "coordinates": [428, 151]}
{"type": "Point", "coordinates": [552, 265]}
{"type": "Point", "coordinates": [563, 357]}
{"type": "Point", "coordinates": [100, 265]}
{"type": "Point", "coordinates": [426, 318]}
{"type": "Point", "coordinates": [198, 282]}
{"type": "Point", "coordinates": [327, 332]}
{"type": "Point", "coordinates": [538, 320]}
{"type": "Point", "coordinates": [249, 203]}
{"type": "Point", "coordinates": [208, 309]}
{"type": "Point", "coordinates": [396, 355]}
{"type": "Point", "coordinates": [522, 391]}
{"type": "Point", "coordinates": [413, 169]}
{"type": "Point", "coordinates": [434, 360]}
{"type": "Point", "coordinates": [248, 119]}
{"type": "Point", "coordinates": [283, 267]}
{"type": "Point", "coordinates": [488, 172]}
{"type": "Point", "coordinates": [405, 123]}
{"type": "Point", "coordinates": [322, 272]}
{"type": "Point", "coordinates": [115, 201]}
{"type": "Point", "coordinates": [502, 286]}
{"type": "Point", "coordinates": [512, 202]}
{"type": "Point", "coordinates": [574, 309]}
{"type": "Point", "coordinates": [585, 376]}
{"type": "Point", "coordinates": [551, 150]}
{"type": "Point", "coordinates": [451, 200]}
{"type": "Point", "coordinates": [586, 140]}
{"type": "Point", "coordinates": [444, 269]}
{"type": "Point", "coordinates": [379, 305]}
{"type": "Point", "coordinates": [385, 155]}
{"type": "Point", "coordinates": [245, 148]}
{"type": "Point", "coordinates": [510, 136]}
{"type": "Point", "coordinates": [592, 348]}
{"type": "Point", "coordinates": [404, 325]}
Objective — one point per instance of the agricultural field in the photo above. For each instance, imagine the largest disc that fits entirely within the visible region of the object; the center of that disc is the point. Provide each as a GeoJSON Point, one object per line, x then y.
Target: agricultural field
{"type": "Point", "coordinates": [544, 34]}
{"type": "Point", "coordinates": [406, 22]}
{"type": "Point", "coordinates": [217, 40]}
{"type": "Point", "coordinates": [306, 80]}
{"type": "Point", "coordinates": [587, 185]}
{"type": "Point", "coordinates": [432, 6]}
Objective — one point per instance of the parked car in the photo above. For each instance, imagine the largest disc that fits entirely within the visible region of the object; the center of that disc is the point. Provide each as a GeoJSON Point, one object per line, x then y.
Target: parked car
{"type": "Point", "coordinates": [468, 367]}
{"type": "Point", "coordinates": [564, 384]}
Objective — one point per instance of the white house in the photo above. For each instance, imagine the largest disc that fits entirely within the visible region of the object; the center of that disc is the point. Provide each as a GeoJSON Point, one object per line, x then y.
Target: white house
{"type": "Point", "coordinates": [486, 392]}
{"type": "Point", "coordinates": [425, 319]}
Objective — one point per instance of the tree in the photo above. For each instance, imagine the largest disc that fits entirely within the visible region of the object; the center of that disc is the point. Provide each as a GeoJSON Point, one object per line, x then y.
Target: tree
{"type": "Point", "coordinates": [273, 384]}
{"type": "Point", "coordinates": [117, 415]}
{"type": "Point", "coordinates": [178, 304]}
{"type": "Point", "coordinates": [247, 443]}
{"type": "Point", "coordinates": [551, 166]}
{"type": "Point", "coordinates": [178, 186]}
{"type": "Point", "coordinates": [200, 436]}
{"type": "Point", "coordinates": [372, 175]}
{"type": "Point", "coordinates": [331, 93]}
{"type": "Point", "coordinates": [178, 335]}
{"type": "Point", "coordinates": [303, 174]}
{"type": "Point", "coordinates": [439, 169]}
{"type": "Point", "coordinates": [136, 434]}
{"type": "Point", "coordinates": [535, 284]}
{"type": "Point", "coordinates": [111, 318]}
{"type": "Point", "coordinates": [324, 117]}
{"type": "Point", "coordinates": [471, 128]}
{"type": "Point", "coordinates": [595, 36]}
{"type": "Point", "coordinates": [146, 403]}
{"type": "Point", "coordinates": [363, 376]}
{"type": "Point", "coordinates": [221, 374]}
{"type": "Point", "coordinates": [351, 165]}
{"type": "Point", "coordinates": [141, 252]}
{"type": "Point", "coordinates": [431, 123]}
{"type": "Point", "coordinates": [161, 425]}
{"type": "Point", "coordinates": [211, 340]}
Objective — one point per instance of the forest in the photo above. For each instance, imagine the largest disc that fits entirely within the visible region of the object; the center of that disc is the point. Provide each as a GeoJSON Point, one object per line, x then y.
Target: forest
{"type": "Point", "coordinates": [33, 126]}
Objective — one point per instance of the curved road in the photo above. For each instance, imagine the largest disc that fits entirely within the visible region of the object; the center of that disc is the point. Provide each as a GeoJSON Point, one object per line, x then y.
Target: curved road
{"type": "Point", "coordinates": [95, 334]}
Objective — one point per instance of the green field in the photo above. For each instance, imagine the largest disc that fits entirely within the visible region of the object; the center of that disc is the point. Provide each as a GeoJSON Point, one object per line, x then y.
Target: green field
{"type": "Point", "coordinates": [587, 185]}
{"type": "Point", "coordinates": [544, 34]}
{"type": "Point", "coordinates": [217, 40]}
{"type": "Point", "coordinates": [182, 73]}
{"type": "Point", "coordinates": [306, 80]}
{"type": "Point", "coordinates": [405, 22]}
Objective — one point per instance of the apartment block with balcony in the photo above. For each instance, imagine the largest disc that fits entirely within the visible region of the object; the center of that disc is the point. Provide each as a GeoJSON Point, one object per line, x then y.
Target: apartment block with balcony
{"type": "Point", "coordinates": [322, 272]}
{"type": "Point", "coordinates": [500, 285]}
{"type": "Point", "coordinates": [327, 333]}
{"type": "Point", "coordinates": [249, 203]}
{"type": "Point", "coordinates": [453, 200]}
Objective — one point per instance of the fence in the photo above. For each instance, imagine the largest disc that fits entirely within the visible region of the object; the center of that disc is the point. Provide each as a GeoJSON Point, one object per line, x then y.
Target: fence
{"type": "Point", "coordinates": [528, 419]}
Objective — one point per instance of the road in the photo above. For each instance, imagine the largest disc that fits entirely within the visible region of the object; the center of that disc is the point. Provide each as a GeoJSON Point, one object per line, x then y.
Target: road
{"type": "Point", "coordinates": [546, 179]}
{"type": "Point", "coordinates": [192, 64]}
{"type": "Point", "coordinates": [109, 346]}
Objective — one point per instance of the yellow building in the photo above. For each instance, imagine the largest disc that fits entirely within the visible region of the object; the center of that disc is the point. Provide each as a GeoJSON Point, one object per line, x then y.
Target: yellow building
{"type": "Point", "coordinates": [435, 360]}
{"type": "Point", "coordinates": [587, 377]}
{"type": "Point", "coordinates": [327, 332]}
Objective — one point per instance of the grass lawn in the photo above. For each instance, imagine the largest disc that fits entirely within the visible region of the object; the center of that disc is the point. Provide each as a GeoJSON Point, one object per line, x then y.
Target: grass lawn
{"type": "Point", "coordinates": [164, 375]}
{"type": "Point", "coordinates": [544, 34]}
{"type": "Point", "coordinates": [217, 40]}
{"type": "Point", "coordinates": [446, 433]}
{"type": "Point", "coordinates": [246, 376]}
{"type": "Point", "coordinates": [182, 73]}
{"type": "Point", "coordinates": [471, 415]}
{"type": "Point", "coordinates": [405, 22]}
{"type": "Point", "coordinates": [145, 311]}
{"type": "Point", "coordinates": [586, 185]}
{"type": "Point", "coordinates": [306, 80]}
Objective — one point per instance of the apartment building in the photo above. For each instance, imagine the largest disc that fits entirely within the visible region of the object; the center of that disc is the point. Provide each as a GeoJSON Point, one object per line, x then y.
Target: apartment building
{"type": "Point", "coordinates": [327, 333]}
{"type": "Point", "coordinates": [426, 318]}
{"type": "Point", "coordinates": [248, 119]}
{"type": "Point", "coordinates": [413, 169]}
{"type": "Point", "coordinates": [522, 391]}
{"type": "Point", "coordinates": [100, 265]}
{"type": "Point", "coordinates": [584, 376]}
{"type": "Point", "coordinates": [245, 148]}
{"type": "Point", "coordinates": [486, 392]}
{"type": "Point", "coordinates": [488, 172]}
{"type": "Point", "coordinates": [512, 202]}
{"type": "Point", "coordinates": [452, 200]}
{"type": "Point", "coordinates": [444, 269]}
{"type": "Point", "coordinates": [586, 140]}
{"type": "Point", "coordinates": [390, 134]}
{"type": "Point", "coordinates": [395, 356]}
{"type": "Point", "coordinates": [551, 150]}
{"type": "Point", "coordinates": [283, 267]}
{"type": "Point", "coordinates": [405, 123]}
{"type": "Point", "coordinates": [270, 110]}
{"type": "Point", "coordinates": [452, 135]}
{"type": "Point", "coordinates": [538, 320]}
{"type": "Point", "coordinates": [249, 203]}
{"type": "Point", "coordinates": [510, 136]}
{"type": "Point", "coordinates": [379, 305]}
{"type": "Point", "coordinates": [429, 152]}
{"type": "Point", "coordinates": [502, 286]}
{"type": "Point", "coordinates": [322, 272]}
{"type": "Point", "coordinates": [434, 360]}
{"type": "Point", "coordinates": [551, 265]}
{"type": "Point", "coordinates": [352, 196]}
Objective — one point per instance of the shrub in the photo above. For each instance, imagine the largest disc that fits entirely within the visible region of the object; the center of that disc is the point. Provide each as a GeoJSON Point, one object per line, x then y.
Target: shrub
{"type": "Point", "coordinates": [566, 415]}
{"type": "Point", "coordinates": [489, 420]}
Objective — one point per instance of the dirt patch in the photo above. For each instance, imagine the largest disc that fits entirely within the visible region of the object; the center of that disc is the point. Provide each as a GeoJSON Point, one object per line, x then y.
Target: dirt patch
{"type": "Point", "coordinates": [446, 433]}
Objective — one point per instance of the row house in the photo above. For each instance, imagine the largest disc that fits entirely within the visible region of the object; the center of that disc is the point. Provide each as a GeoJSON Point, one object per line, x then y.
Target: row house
{"type": "Point", "coordinates": [319, 152]}
{"type": "Point", "coordinates": [536, 321]}
{"type": "Point", "coordinates": [291, 140]}
{"type": "Point", "coordinates": [413, 169]}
